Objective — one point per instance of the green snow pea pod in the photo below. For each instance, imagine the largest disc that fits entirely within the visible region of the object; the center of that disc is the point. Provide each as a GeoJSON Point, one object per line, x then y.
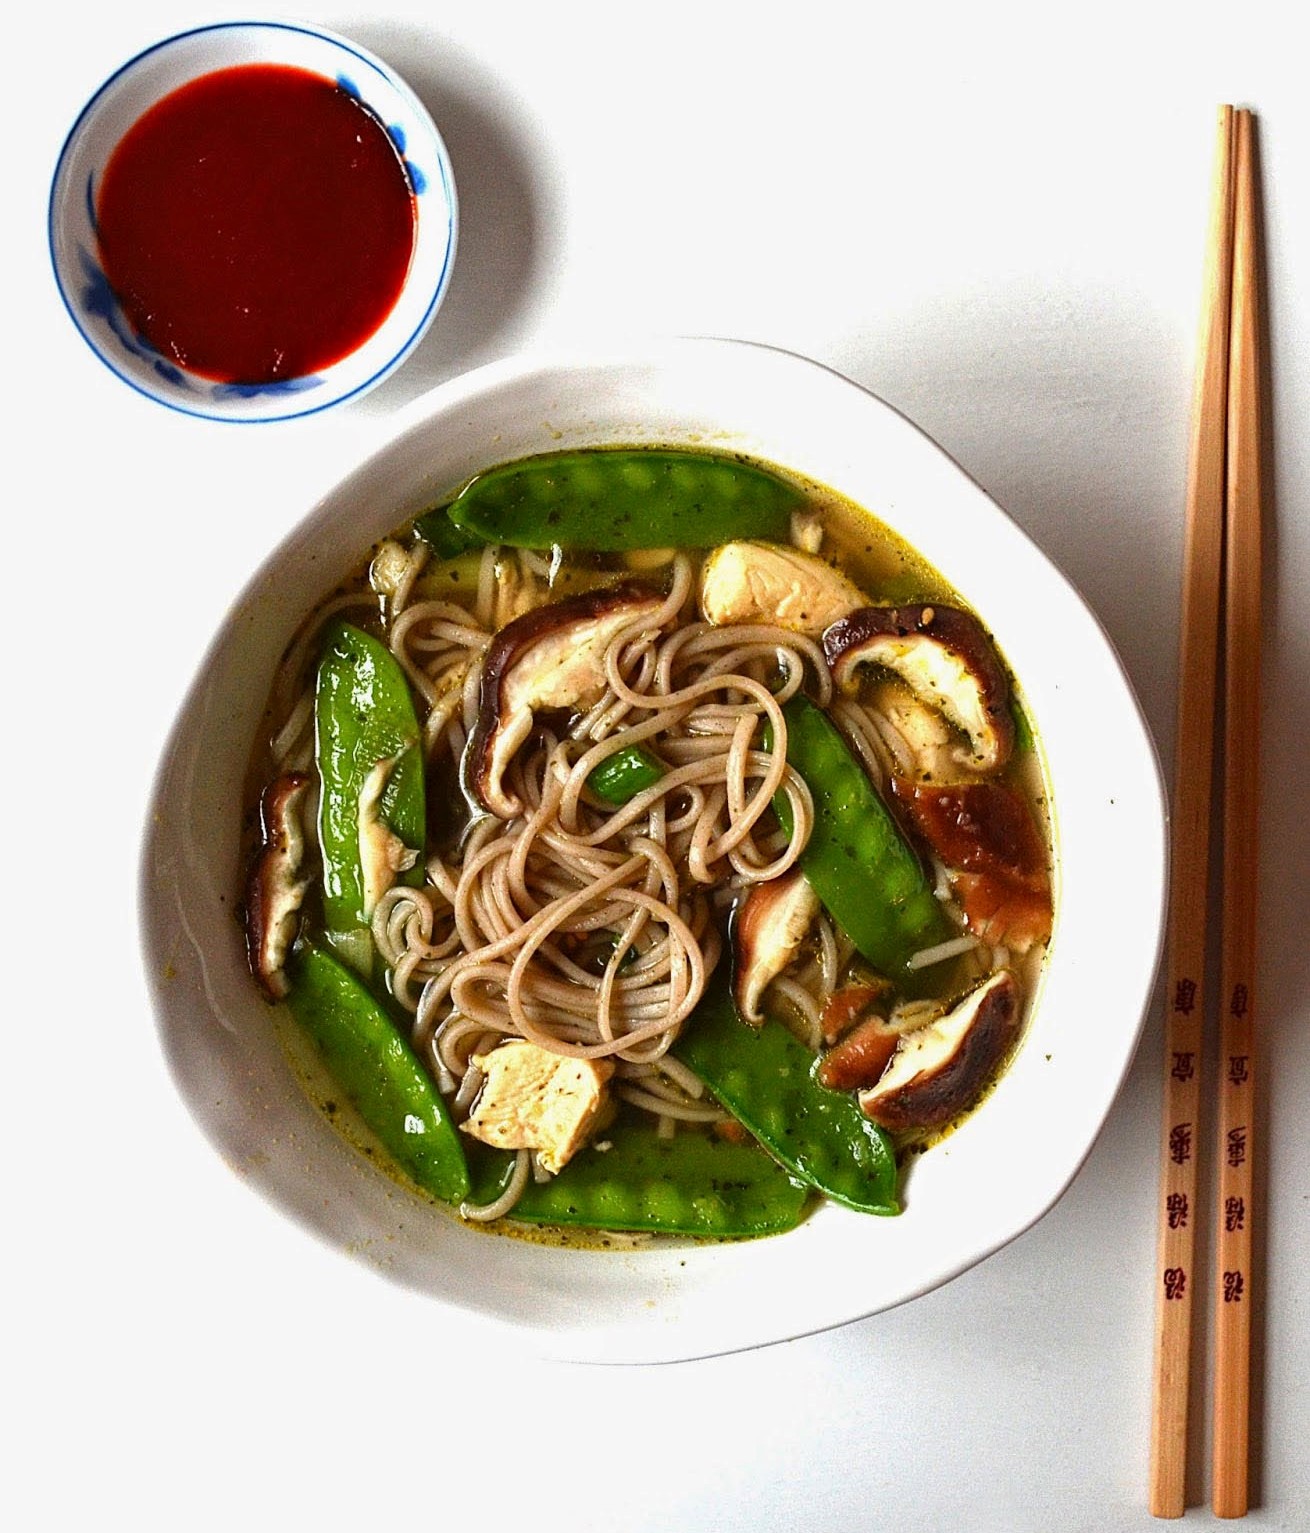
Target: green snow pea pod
{"type": "Point", "coordinates": [363, 716]}
{"type": "Point", "coordinates": [692, 1184]}
{"type": "Point", "coordinates": [859, 864]}
{"type": "Point", "coordinates": [611, 499]}
{"type": "Point", "coordinates": [490, 1171]}
{"type": "Point", "coordinates": [625, 774]}
{"type": "Point", "coordinates": [766, 1078]}
{"type": "Point", "coordinates": [377, 1070]}
{"type": "Point", "coordinates": [443, 537]}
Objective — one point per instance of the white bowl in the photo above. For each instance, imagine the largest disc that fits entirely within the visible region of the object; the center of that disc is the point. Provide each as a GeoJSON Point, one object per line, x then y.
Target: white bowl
{"type": "Point", "coordinates": [165, 67]}
{"type": "Point", "coordinates": [1005, 1166]}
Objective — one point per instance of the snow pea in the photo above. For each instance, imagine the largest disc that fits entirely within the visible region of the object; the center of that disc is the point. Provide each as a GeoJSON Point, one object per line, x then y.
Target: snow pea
{"type": "Point", "coordinates": [766, 1078]}
{"type": "Point", "coordinates": [363, 715]}
{"type": "Point", "coordinates": [376, 1069]}
{"type": "Point", "coordinates": [625, 774]}
{"type": "Point", "coordinates": [610, 499]}
{"type": "Point", "coordinates": [443, 537]}
{"type": "Point", "coordinates": [867, 875]}
{"type": "Point", "coordinates": [692, 1184]}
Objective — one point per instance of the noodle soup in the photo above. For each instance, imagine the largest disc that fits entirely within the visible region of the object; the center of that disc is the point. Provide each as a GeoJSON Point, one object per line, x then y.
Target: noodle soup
{"type": "Point", "coordinates": [649, 841]}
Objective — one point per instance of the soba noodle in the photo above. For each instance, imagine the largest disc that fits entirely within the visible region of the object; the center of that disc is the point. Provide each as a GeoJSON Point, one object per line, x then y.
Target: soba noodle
{"type": "Point", "coordinates": [588, 929]}
{"type": "Point", "coordinates": [489, 950]}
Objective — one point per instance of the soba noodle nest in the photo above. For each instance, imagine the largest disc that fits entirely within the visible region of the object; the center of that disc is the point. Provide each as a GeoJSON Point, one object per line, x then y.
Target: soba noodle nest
{"type": "Point", "coordinates": [587, 929]}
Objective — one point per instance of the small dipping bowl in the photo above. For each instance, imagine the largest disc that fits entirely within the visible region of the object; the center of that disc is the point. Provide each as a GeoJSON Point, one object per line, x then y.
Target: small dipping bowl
{"type": "Point", "coordinates": [177, 62]}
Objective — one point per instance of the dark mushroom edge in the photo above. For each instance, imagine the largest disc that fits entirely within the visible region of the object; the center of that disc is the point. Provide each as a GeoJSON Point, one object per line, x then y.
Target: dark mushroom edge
{"type": "Point", "coordinates": [946, 658]}
{"type": "Point", "coordinates": [938, 1071]}
{"type": "Point", "coordinates": [551, 658]}
{"type": "Point", "coordinates": [770, 924]}
{"type": "Point", "coordinates": [275, 890]}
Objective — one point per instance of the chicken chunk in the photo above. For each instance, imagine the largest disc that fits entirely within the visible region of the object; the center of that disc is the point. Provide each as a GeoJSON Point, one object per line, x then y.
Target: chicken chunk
{"type": "Point", "coordinates": [769, 583]}
{"type": "Point", "coordinates": [532, 1099]}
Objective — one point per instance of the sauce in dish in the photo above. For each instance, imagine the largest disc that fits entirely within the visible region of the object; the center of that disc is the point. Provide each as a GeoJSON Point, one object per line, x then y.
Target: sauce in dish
{"type": "Point", "coordinates": [256, 224]}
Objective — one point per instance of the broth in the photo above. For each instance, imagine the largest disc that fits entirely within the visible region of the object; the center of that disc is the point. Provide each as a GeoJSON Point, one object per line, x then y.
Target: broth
{"type": "Point", "coordinates": [653, 1011]}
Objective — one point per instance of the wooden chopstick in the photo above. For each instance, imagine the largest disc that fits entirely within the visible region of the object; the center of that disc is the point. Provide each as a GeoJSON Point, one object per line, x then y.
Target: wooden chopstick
{"type": "Point", "coordinates": [1221, 573]}
{"type": "Point", "coordinates": [1242, 627]}
{"type": "Point", "coordinates": [1190, 851]}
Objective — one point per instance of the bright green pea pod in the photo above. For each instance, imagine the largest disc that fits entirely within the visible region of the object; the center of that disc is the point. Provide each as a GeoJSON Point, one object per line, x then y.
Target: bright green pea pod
{"type": "Point", "coordinates": [363, 715]}
{"type": "Point", "coordinates": [864, 871]}
{"type": "Point", "coordinates": [490, 1171]}
{"type": "Point", "coordinates": [625, 774]}
{"type": "Point", "coordinates": [766, 1078]}
{"type": "Point", "coordinates": [612, 499]}
{"type": "Point", "coordinates": [443, 537]}
{"type": "Point", "coordinates": [692, 1184]}
{"type": "Point", "coordinates": [378, 1072]}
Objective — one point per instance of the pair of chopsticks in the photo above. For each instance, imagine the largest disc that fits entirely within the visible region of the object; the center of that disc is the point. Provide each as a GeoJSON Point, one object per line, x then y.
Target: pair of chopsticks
{"type": "Point", "coordinates": [1221, 591]}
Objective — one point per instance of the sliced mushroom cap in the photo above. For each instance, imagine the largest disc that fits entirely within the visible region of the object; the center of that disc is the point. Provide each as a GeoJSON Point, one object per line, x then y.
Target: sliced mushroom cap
{"type": "Point", "coordinates": [771, 583]}
{"type": "Point", "coordinates": [939, 1070]}
{"type": "Point", "coordinates": [771, 923]}
{"type": "Point", "coordinates": [985, 835]}
{"type": "Point", "coordinates": [275, 891]}
{"type": "Point", "coordinates": [945, 657]}
{"type": "Point", "coordinates": [923, 745]}
{"type": "Point", "coordinates": [851, 1004]}
{"type": "Point", "coordinates": [551, 657]}
{"type": "Point", "coordinates": [861, 1056]}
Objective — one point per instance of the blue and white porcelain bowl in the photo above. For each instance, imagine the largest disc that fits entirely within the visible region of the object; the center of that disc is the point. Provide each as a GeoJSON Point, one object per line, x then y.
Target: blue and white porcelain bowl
{"type": "Point", "coordinates": [156, 73]}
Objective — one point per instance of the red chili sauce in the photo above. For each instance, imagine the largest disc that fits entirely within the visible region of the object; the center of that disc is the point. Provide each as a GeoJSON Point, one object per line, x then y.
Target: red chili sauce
{"type": "Point", "coordinates": [256, 224]}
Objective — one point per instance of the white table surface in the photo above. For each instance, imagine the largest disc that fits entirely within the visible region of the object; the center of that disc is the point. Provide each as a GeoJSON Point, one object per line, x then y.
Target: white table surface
{"type": "Point", "coordinates": [993, 216]}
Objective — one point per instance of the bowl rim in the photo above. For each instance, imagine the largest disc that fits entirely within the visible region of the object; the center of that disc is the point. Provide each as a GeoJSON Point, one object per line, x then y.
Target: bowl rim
{"type": "Point", "coordinates": [398, 353]}
{"type": "Point", "coordinates": [619, 1341]}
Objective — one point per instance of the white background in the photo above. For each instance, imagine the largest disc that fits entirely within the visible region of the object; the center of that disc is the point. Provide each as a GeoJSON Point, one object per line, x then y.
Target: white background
{"type": "Point", "coordinates": [993, 216]}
